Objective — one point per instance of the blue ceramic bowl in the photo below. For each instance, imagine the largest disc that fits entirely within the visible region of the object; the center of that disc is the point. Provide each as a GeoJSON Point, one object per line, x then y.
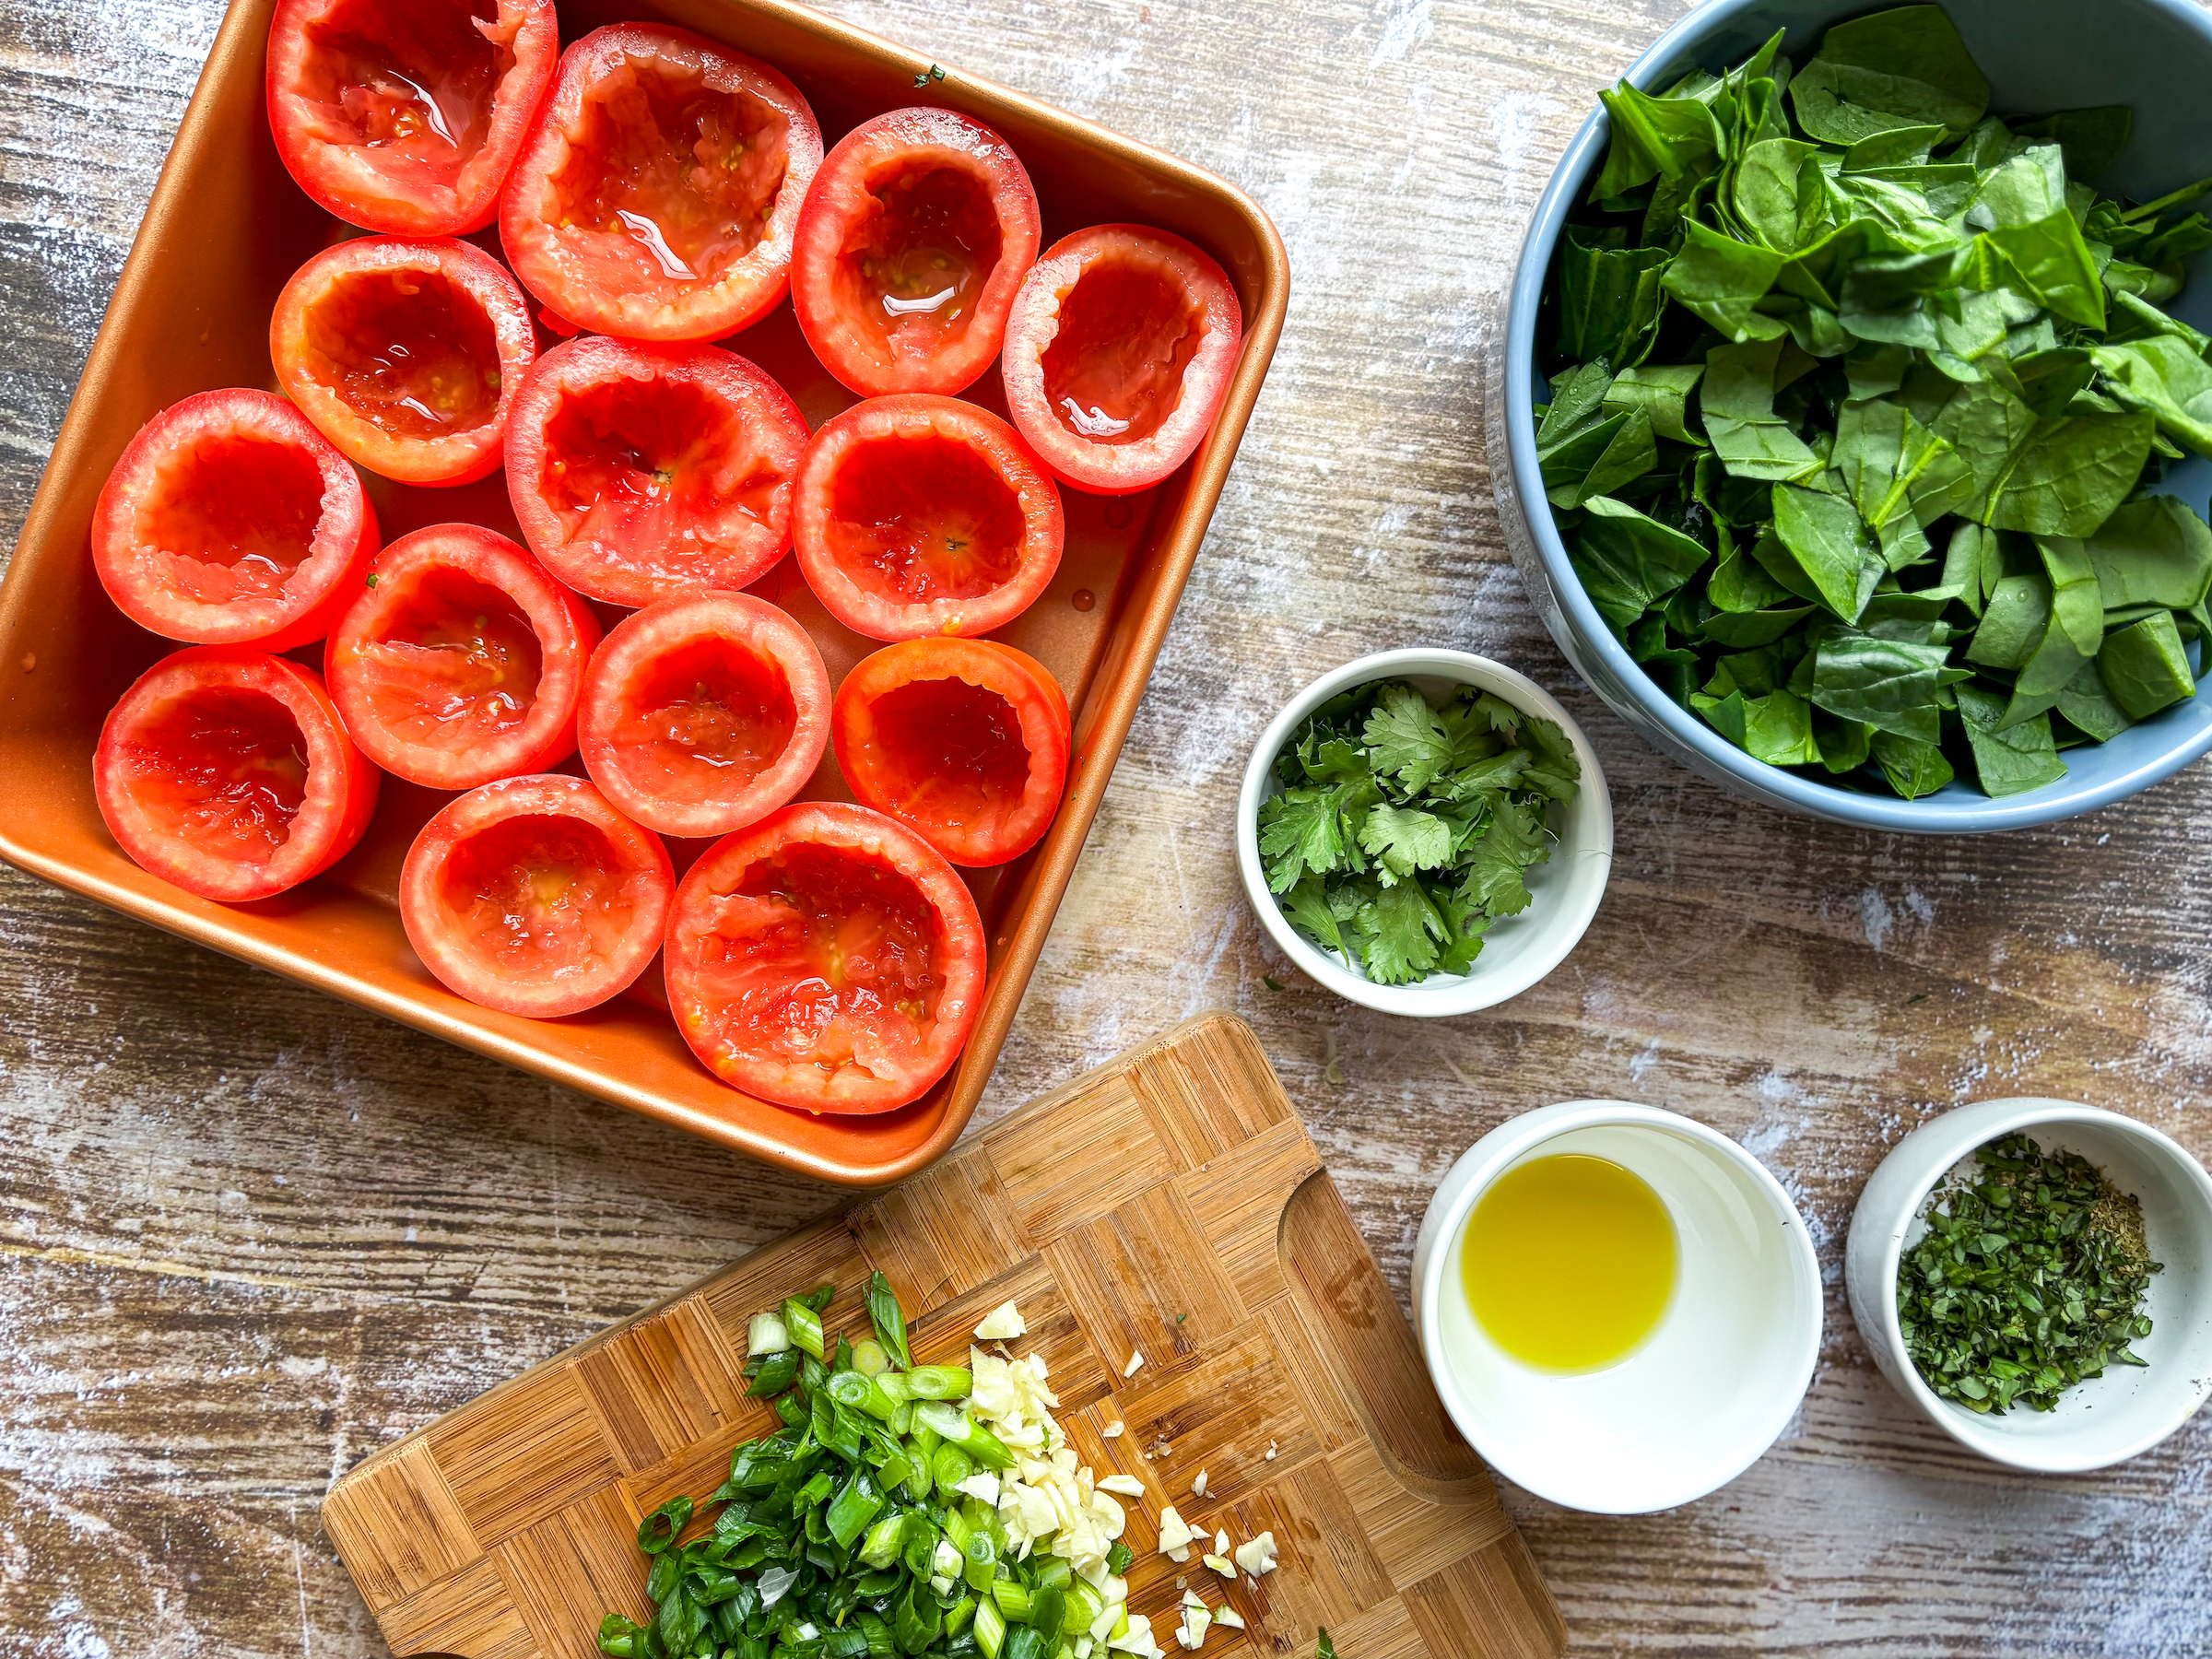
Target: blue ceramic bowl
{"type": "Point", "coordinates": [2039, 55]}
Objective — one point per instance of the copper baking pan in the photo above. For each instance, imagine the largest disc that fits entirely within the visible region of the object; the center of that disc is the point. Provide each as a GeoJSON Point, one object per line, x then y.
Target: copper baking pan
{"type": "Point", "coordinates": [227, 226]}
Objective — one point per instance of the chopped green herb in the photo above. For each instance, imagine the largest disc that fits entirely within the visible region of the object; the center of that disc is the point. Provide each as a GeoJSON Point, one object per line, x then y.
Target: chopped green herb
{"type": "Point", "coordinates": [372, 579]}
{"type": "Point", "coordinates": [1327, 1650]}
{"type": "Point", "coordinates": [1858, 399]}
{"type": "Point", "coordinates": [1269, 981]}
{"type": "Point", "coordinates": [2029, 1280]}
{"type": "Point", "coordinates": [1403, 829]}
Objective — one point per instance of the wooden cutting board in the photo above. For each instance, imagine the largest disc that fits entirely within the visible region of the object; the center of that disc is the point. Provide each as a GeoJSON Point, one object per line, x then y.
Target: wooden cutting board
{"type": "Point", "coordinates": [1169, 1203]}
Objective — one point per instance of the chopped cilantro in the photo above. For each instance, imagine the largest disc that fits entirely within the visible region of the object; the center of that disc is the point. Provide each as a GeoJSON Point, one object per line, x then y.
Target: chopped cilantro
{"type": "Point", "coordinates": [1404, 828]}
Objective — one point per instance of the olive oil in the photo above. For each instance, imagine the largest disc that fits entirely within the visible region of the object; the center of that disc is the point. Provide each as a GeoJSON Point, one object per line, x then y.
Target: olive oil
{"type": "Point", "coordinates": [1568, 1262]}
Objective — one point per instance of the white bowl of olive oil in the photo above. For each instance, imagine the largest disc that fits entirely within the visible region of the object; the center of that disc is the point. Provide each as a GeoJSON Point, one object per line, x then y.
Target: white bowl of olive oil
{"type": "Point", "coordinates": [1619, 1306]}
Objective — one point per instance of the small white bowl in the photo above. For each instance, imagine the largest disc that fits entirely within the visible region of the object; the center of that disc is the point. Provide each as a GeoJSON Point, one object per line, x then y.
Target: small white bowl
{"type": "Point", "coordinates": [2108, 1419]}
{"type": "Point", "coordinates": [1564, 892]}
{"type": "Point", "coordinates": [1706, 1393]}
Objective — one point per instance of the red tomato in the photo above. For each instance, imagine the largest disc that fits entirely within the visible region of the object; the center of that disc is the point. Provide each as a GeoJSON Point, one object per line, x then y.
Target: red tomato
{"type": "Point", "coordinates": [827, 958]}
{"type": "Point", "coordinates": [404, 115]}
{"type": "Point", "coordinates": [230, 518]}
{"type": "Point", "coordinates": [1118, 355]}
{"type": "Point", "coordinates": [914, 235]}
{"type": "Point", "coordinates": [407, 355]}
{"type": "Point", "coordinates": [533, 896]}
{"type": "Point", "coordinates": [963, 741]}
{"type": "Point", "coordinates": [225, 771]}
{"type": "Point", "coordinates": [925, 515]}
{"type": "Point", "coordinates": [642, 472]}
{"type": "Point", "coordinates": [461, 662]}
{"type": "Point", "coordinates": [702, 715]}
{"type": "Point", "coordinates": [658, 194]}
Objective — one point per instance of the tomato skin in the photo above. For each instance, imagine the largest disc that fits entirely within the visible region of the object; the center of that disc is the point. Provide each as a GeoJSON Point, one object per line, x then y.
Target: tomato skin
{"type": "Point", "coordinates": [597, 425]}
{"type": "Point", "coordinates": [231, 467]}
{"type": "Point", "coordinates": [636, 728]}
{"type": "Point", "coordinates": [773, 1033]}
{"type": "Point", "coordinates": [391, 183]}
{"type": "Point", "coordinates": [965, 171]}
{"type": "Point", "coordinates": [637, 279]}
{"type": "Point", "coordinates": [955, 786]}
{"type": "Point", "coordinates": [182, 720]}
{"type": "Point", "coordinates": [1065, 346]}
{"type": "Point", "coordinates": [398, 685]}
{"type": "Point", "coordinates": [893, 488]}
{"type": "Point", "coordinates": [495, 850]}
{"type": "Point", "coordinates": [467, 344]}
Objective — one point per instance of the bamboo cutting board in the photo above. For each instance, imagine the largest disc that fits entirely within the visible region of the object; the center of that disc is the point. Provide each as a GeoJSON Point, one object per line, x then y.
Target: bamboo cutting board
{"type": "Point", "coordinates": [1169, 1203]}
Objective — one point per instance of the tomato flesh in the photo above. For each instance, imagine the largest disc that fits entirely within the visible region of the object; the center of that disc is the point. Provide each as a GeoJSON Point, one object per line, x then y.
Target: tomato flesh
{"type": "Point", "coordinates": [707, 709]}
{"type": "Point", "coordinates": [641, 472]}
{"type": "Point", "coordinates": [462, 661]}
{"type": "Point", "coordinates": [822, 956]}
{"type": "Point", "coordinates": [657, 197]}
{"type": "Point", "coordinates": [917, 263]}
{"type": "Point", "coordinates": [964, 741]}
{"type": "Point", "coordinates": [920, 514]}
{"type": "Point", "coordinates": [455, 666]}
{"type": "Point", "coordinates": [406, 353]}
{"type": "Point", "coordinates": [1113, 373]}
{"type": "Point", "coordinates": [533, 896]}
{"type": "Point", "coordinates": [918, 518]}
{"type": "Point", "coordinates": [233, 518]}
{"type": "Point", "coordinates": [226, 767]}
{"type": "Point", "coordinates": [1119, 352]}
{"type": "Point", "coordinates": [415, 80]}
{"type": "Point", "coordinates": [406, 117]}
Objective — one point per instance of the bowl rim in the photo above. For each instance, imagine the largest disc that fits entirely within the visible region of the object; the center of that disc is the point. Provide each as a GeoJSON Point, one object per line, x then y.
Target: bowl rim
{"type": "Point", "coordinates": [1515, 1138]}
{"type": "Point", "coordinates": [1974, 815]}
{"type": "Point", "coordinates": [1989, 1120]}
{"type": "Point", "coordinates": [1465, 994]}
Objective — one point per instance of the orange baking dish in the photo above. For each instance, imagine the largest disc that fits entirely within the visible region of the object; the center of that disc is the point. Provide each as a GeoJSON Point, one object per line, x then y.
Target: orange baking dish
{"type": "Point", "coordinates": [227, 226]}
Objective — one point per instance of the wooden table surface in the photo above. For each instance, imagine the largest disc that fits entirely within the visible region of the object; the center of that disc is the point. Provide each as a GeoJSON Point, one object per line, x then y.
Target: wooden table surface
{"type": "Point", "coordinates": [248, 1233]}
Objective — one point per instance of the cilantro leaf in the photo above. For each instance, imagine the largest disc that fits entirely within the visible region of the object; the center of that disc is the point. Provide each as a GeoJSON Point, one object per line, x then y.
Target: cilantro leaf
{"type": "Point", "coordinates": [1403, 841]}
{"type": "Point", "coordinates": [1300, 829]}
{"type": "Point", "coordinates": [1497, 876]}
{"type": "Point", "coordinates": [1307, 905]}
{"type": "Point", "coordinates": [1406, 739]}
{"type": "Point", "coordinates": [1403, 930]}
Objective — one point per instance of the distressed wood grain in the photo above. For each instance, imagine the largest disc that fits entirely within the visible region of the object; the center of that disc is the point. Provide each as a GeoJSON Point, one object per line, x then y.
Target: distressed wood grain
{"type": "Point", "coordinates": [248, 1234]}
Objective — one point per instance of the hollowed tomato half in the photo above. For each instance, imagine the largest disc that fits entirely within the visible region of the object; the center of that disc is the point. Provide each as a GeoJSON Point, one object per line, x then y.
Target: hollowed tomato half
{"type": "Point", "coordinates": [701, 716]}
{"type": "Point", "coordinates": [657, 195]}
{"type": "Point", "coordinates": [406, 355]}
{"type": "Point", "coordinates": [462, 662]}
{"type": "Point", "coordinates": [1118, 353]}
{"type": "Point", "coordinates": [827, 958]}
{"type": "Point", "coordinates": [533, 896]}
{"type": "Point", "coordinates": [231, 519]}
{"type": "Point", "coordinates": [405, 116]}
{"type": "Point", "coordinates": [642, 472]}
{"type": "Point", "coordinates": [915, 234]}
{"type": "Point", "coordinates": [225, 771]}
{"type": "Point", "coordinates": [963, 741]}
{"type": "Point", "coordinates": [925, 515]}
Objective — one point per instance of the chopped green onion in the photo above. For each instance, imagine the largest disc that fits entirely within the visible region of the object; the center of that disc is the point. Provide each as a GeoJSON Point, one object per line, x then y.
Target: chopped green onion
{"type": "Point", "coordinates": [658, 1530]}
{"type": "Point", "coordinates": [868, 1356]}
{"type": "Point", "coordinates": [1013, 1598]}
{"type": "Point", "coordinates": [963, 1432]}
{"type": "Point", "coordinates": [804, 1325]}
{"type": "Point", "coordinates": [767, 1334]}
{"type": "Point", "coordinates": [941, 1382]}
{"type": "Point", "coordinates": [1119, 1558]}
{"type": "Point", "coordinates": [1047, 1609]}
{"type": "Point", "coordinates": [619, 1637]}
{"type": "Point", "coordinates": [890, 1321]}
{"type": "Point", "coordinates": [958, 1616]}
{"type": "Point", "coordinates": [1024, 1642]}
{"type": "Point", "coordinates": [1055, 1571]}
{"type": "Point", "coordinates": [895, 1384]}
{"type": "Point", "coordinates": [982, 1557]}
{"type": "Point", "coordinates": [777, 1372]}
{"type": "Point", "coordinates": [949, 1465]}
{"type": "Point", "coordinates": [990, 1627]}
{"type": "Point", "coordinates": [853, 1507]}
{"type": "Point", "coordinates": [883, 1542]}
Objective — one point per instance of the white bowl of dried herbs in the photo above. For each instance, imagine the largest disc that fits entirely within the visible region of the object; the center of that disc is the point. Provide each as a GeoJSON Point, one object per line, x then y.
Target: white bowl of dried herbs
{"type": "Point", "coordinates": [2036, 1275]}
{"type": "Point", "coordinates": [1425, 832]}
